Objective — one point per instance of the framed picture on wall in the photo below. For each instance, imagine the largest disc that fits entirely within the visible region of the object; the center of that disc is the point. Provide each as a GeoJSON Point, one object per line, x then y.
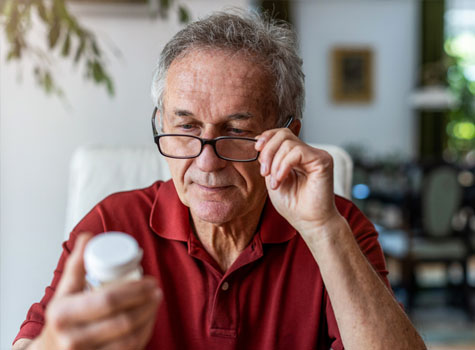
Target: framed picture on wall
{"type": "Point", "coordinates": [352, 75]}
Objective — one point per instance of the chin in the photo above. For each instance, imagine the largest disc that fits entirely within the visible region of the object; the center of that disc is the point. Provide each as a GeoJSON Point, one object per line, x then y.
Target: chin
{"type": "Point", "coordinates": [215, 212]}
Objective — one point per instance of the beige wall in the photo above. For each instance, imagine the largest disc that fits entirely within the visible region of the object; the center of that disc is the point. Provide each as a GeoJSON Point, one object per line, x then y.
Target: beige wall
{"type": "Point", "coordinates": [390, 28]}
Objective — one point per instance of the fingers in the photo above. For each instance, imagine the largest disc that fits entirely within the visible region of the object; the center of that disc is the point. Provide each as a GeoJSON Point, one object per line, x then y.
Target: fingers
{"type": "Point", "coordinates": [283, 162]}
{"type": "Point", "coordinates": [87, 320]}
{"type": "Point", "coordinates": [275, 147]}
{"type": "Point", "coordinates": [91, 319]}
{"type": "Point", "coordinates": [281, 152]}
{"type": "Point", "coordinates": [134, 340]}
{"type": "Point", "coordinates": [72, 279]}
{"type": "Point", "coordinates": [268, 144]}
{"type": "Point", "coordinates": [118, 329]}
{"type": "Point", "coordinates": [102, 303]}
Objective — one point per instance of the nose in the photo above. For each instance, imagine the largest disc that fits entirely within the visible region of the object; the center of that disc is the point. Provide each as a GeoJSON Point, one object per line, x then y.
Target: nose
{"type": "Point", "coordinates": [208, 161]}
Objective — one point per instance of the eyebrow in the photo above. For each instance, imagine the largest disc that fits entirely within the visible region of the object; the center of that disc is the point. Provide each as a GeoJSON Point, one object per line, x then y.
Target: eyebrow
{"type": "Point", "coordinates": [234, 116]}
{"type": "Point", "coordinates": [182, 113]}
{"type": "Point", "coordinates": [240, 116]}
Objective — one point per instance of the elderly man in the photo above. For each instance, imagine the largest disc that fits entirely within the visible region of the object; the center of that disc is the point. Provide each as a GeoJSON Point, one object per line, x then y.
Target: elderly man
{"type": "Point", "coordinates": [247, 247]}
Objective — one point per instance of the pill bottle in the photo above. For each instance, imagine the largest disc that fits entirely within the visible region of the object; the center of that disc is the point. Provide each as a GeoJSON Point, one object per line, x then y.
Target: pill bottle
{"type": "Point", "coordinates": [112, 257]}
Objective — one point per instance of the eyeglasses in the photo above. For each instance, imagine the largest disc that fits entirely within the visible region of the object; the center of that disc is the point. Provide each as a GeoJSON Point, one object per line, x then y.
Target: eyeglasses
{"type": "Point", "coordinates": [179, 146]}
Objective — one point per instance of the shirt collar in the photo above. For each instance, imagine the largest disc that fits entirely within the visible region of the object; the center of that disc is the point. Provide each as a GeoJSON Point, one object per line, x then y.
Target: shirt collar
{"type": "Point", "coordinates": [170, 218]}
{"type": "Point", "coordinates": [274, 228]}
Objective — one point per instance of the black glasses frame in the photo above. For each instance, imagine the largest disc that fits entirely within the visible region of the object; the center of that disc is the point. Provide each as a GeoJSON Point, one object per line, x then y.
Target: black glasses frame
{"type": "Point", "coordinates": [204, 142]}
{"type": "Point", "coordinates": [212, 142]}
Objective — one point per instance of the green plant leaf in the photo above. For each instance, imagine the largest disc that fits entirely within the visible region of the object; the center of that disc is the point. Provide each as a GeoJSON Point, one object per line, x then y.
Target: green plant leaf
{"type": "Point", "coordinates": [183, 14]}
{"type": "Point", "coordinates": [66, 45]}
{"type": "Point", "coordinates": [80, 50]}
{"type": "Point", "coordinates": [11, 55]}
{"type": "Point", "coordinates": [12, 28]}
{"type": "Point", "coordinates": [109, 85]}
{"type": "Point", "coordinates": [48, 82]}
{"type": "Point", "coordinates": [42, 11]}
{"type": "Point", "coordinates": [95, 48]}
{"type": "Point", "coordinates": [60, 9]}
{"type": "Point", "coordinates": [62, 29]}
{"type": "Point", "coordinates": [54, 32]}
{"type": "Point", "coordinates": [15, 51]}
{"type": "Point", "coordinates": [97, 72]}
{"type": "Point", "coordinates": [75, 27]}
{"type": "Point", "coordinates": [164, 4]}
{"type": "Point", "coordinates": [7, 8]}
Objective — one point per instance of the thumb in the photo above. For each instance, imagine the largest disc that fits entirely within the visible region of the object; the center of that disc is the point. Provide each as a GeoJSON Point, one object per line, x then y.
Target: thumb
{"type": "Point", "coordinates": [72, 280]}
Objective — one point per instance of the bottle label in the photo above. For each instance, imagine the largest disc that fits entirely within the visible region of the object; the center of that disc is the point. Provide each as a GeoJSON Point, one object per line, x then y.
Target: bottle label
{"type": "Point", "coordinates": [93, 283]}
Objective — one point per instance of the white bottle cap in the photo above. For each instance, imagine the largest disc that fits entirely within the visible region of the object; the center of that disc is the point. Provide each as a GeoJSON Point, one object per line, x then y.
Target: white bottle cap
{"type": "Point", "coordinates": [110, 255]}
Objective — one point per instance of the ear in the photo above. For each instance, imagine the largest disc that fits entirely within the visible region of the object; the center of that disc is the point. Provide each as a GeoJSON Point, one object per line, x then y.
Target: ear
{"type": "Point", "coordinates": [295, 127]}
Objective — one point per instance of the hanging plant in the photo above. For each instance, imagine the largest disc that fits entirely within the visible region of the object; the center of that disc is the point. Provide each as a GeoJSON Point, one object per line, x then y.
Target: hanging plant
{"type": "Point", "coordinates": [65, 35]}
{"type": "Point", "coordinates": [461, 81]}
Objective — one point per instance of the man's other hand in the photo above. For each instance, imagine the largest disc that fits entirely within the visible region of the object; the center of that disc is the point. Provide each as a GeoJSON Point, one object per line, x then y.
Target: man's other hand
{"type": "Point", "coordinates": [119, 316]}
{"type": "Point", "coordinates": [299, 179]}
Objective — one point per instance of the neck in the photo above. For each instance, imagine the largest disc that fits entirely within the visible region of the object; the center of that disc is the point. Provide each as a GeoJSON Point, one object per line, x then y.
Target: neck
{"type": "Point", "coordinates": [225, 242]}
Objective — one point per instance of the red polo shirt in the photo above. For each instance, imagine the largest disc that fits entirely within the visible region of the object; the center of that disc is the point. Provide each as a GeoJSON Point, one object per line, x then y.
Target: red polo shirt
{"type": "Point", "coordinates": [272, 297]}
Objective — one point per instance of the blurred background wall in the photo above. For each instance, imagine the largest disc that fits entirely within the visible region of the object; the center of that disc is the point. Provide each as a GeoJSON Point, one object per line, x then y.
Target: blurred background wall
{"type": "Point", "coordinates": [390, 30]}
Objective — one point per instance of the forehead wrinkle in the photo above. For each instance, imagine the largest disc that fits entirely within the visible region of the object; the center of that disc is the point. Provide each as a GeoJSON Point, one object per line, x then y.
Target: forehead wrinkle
{"type": "Point", "coordinates": [234, 104]}
{"type": "Point", "coordinates": [219, 85]}
{"type": "Point", "coordinates": [212, 90]}
{"type": "Point", "coordinates": [196, 75]}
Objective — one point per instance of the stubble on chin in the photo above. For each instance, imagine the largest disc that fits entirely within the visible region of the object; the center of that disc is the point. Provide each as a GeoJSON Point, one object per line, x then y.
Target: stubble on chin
{"type": "Point", "coordinates": [213, 211]}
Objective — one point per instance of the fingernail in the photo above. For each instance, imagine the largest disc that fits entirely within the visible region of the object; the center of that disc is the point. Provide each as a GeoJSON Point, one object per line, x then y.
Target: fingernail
{"type": "Point", "coordinates": [263, 168]}
{"type": "Point", "coordinates": [259, 142]}
{"type": "Point", "coordinates": [157, 293]}
{"type": "Point", "coordinates": [273, 183]}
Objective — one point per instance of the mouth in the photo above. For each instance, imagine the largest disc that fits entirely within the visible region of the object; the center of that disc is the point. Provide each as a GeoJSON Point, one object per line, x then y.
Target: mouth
{"type": "Point", "coordinates": [213, 189]}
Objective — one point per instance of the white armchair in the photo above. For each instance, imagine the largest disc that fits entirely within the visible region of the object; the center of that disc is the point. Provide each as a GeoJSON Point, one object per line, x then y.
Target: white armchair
{"type": "Point", "coordinates": [97, 171]}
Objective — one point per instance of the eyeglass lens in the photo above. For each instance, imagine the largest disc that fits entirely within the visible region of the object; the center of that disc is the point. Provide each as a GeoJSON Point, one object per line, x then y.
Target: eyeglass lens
{"type": "Point", "coordinates": [187, 146]}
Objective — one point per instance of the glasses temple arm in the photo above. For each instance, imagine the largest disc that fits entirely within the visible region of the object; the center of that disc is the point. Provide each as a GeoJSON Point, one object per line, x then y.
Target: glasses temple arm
{"type": "Point", "coordinates": [287, 124]}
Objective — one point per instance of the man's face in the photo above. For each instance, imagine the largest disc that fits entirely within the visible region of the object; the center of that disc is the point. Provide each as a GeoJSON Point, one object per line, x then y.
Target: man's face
{"type": "Point", "coordinates": [212, 93]}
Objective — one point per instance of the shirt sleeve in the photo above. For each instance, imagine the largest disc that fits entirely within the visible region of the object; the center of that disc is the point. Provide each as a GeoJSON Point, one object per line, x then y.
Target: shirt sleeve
{"type": "Point", "coordinates": [367, 239]}
{"type": "Point", "coordinates": [35, 318]}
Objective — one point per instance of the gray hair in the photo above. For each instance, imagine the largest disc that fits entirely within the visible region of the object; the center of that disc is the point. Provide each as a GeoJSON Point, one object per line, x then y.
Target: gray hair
{"type": "Point", "coordinates": [271, 42]}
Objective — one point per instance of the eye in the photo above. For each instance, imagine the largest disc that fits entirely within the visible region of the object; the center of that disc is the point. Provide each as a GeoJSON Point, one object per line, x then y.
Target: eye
{"type": "Point", "coordinates": [185, 127]}
{"type": "Point", "coordinates": [236, 131]}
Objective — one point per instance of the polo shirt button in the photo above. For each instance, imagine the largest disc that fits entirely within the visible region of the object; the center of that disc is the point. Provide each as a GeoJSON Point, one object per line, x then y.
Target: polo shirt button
{"type": "Point", "coordinates": [225, 286]}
